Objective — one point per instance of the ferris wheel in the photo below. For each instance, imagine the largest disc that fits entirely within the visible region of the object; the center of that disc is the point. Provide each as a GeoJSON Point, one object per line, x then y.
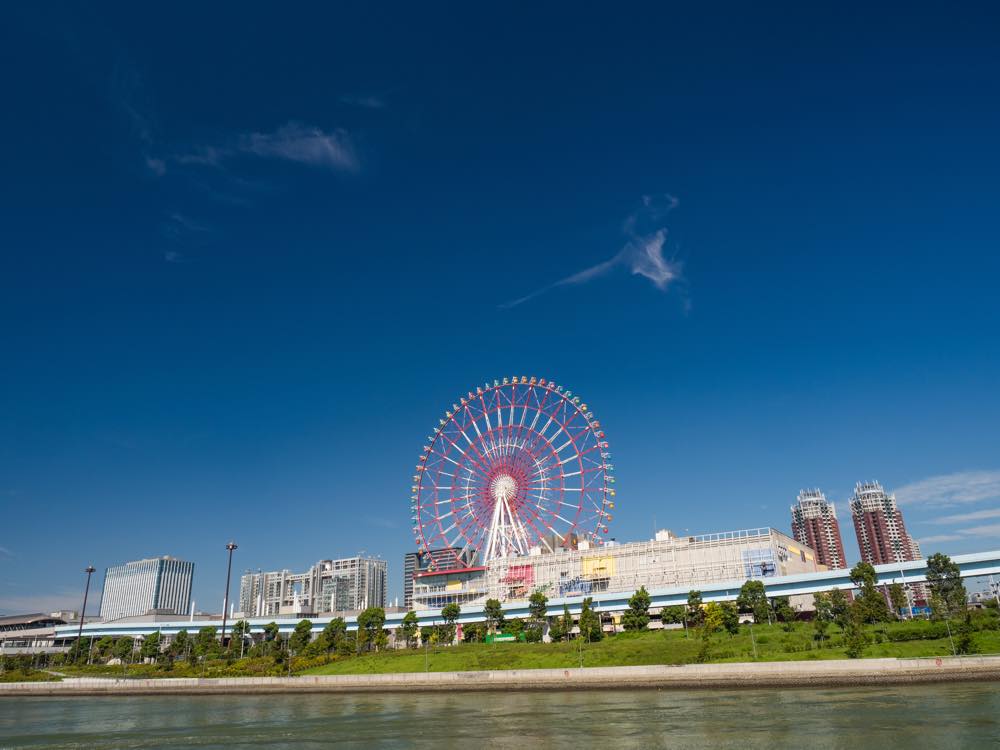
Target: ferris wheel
{"type": "Point", "coordinates": [518, 463]}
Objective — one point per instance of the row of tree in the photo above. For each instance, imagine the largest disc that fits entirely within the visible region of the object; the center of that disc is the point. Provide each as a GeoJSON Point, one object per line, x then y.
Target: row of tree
{"type": "Point", "coordinates": [869, 606]}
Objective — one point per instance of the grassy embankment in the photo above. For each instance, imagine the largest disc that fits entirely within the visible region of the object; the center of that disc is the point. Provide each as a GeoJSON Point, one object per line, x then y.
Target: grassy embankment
{"type": "Point", "coordinates": [773, 643]}
{"type": "Point", "coordinates": [256, 667]}
{"type": "Point", "coordinates": [653, 647]}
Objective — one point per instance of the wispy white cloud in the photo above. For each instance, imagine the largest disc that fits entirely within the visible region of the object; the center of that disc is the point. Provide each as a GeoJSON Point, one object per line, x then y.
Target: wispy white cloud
{"type": "Point", "coordinates": [303, 144]}
{"type": "Point", "coordinates": [979, 515]}
{"type": "Point", "coordinates": [642, 254]}
{"type": "Point", "coordinates": [293, 142]}
{"type": "Point", "coordinates": [157, 166]}
{"type": "Point", "coordinates": [180, 223]}
{"type": "Point", "coordinates": [204, 156]}
{"type": "Point", "coordinates": [951, 489]}
{"type": "Point", "coordinates": [172, 256]}
{"type": "Point", "coordinates": [987, 530]}
{"type": "Point", "coordinates": [5, 552]}
{"type": "Point", "coordinates": [368, 102]}
{"type": "Point", "coordinates": [939, 538]}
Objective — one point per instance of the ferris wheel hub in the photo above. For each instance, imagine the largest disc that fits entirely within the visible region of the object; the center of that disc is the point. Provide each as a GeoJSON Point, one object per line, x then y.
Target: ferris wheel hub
{"type": "Point", "coordinates": [503, 488]}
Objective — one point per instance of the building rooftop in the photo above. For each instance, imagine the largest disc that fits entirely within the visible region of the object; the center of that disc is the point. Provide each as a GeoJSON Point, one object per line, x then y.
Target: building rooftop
{"type": "Point", "coordinates": [37, 618]}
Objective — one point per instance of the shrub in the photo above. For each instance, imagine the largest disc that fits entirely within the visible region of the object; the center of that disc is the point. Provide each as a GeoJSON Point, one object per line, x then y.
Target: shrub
{"type": "Point", "coordinates": [918, 632]}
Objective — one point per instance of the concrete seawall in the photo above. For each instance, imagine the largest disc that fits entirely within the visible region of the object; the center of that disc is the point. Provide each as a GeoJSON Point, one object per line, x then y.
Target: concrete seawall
{"type": "Point", "coordinates": [839, 673]}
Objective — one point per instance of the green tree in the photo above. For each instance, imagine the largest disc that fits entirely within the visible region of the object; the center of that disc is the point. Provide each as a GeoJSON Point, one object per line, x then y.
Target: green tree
{"type": "Point", "coordinates": [427, 635]}
{"type": "Point", "coordinates": [636, 617]}
{"type": "Point", "coordinates": [948, 595]}
{"type": "Point", "coordinates": [494, 615]}
{"type": "Point", "coordinates": [272, 638]}
{"type": "Point", "coordinates": [347, 644]}
{"type": "Point", "coordinates": [80, 650]}
{"type": "Point", "coordinates": [449, 613]}
{"type": "Point", "coordinates": [855, 639]}
{"type": "Point", "coordinates": [783, 609]}
{"type": "Point", "coordinates": [180, 643]}
{"type": "Point", "coordinates": [538, 607]}
{"type": "Point", "coordinates": [123, 647]}
{"type": "Point", "coordinates": [561, 627]}
{"type": "Point", "coordinates": [590, 622]}
{"type": "Point", "coordinates": [752, 599]}
{"type": "Point", "coordinates": [897, 595]}
{"type": "Point", "coordinates": [823, 616]}
{"type": "Point", "coordinates": [206, 644]}
{"type": "Point", "coordinates": [370, 624]}
{"type": "Point", "coordinates": [474, 632]}
{"type": "Point", "coordinates": [334, 633]}
{"type": "Point", "coordinates": [407, 631]}
{"type": "Point", "coordinates": [150, 648]}
{"type": "Point", "coordinates": [840, 609]}
{"type": "Point", "coordinates": [711, 621]}
{"type": "Point", "coordinates": [672, 614]}
{"type": "Point", "coordinates": [300, 636]}
{"type": "Point", "coordinates": [964, 643]}
{"type": "Point", "coordinates": [714, 619]}
{"type": "Point", "coordinates": [695, 613]}
{"type": "Point", "coordinates": [240, 632]}
{"type": "Point", "coordinates": [445, 633]}
{"type": "Point", "coordinates": [870, 604]}
{"type": "Point", "coordinates": [103, 648]}
{"type": "Point", "coordinates": [730, 618]}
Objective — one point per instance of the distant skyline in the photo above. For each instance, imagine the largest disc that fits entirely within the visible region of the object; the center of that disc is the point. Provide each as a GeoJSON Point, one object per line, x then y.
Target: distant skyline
{"type": "Point", "coordinates": [247, 262]}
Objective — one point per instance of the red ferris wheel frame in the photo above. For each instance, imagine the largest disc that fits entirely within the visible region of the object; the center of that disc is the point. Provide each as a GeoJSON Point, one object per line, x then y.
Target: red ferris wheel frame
{"type": "Point", "coordinates": [518, 463]}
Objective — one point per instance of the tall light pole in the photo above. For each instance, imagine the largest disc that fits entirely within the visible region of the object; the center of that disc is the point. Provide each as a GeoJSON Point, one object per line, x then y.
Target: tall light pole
{"type": "Point", "coordinates": [89, 570]}
{"type": "Point", "coordinates": [225, 602]}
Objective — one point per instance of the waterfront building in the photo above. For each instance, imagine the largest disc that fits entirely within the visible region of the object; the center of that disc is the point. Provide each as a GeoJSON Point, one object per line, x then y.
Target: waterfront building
{"type": "Point", "coordinates": [346, 585]}
{"type": "Point", "coordinates": [814, 523]}
{"type": "Point", "coordinates": [137, 587]}
{"type": "Point", "coordinates": [422, 562]}
{"type": "Point", "coordinates": [878, 523]}
{"type": "Point", "coordinates": [882, 535]}
{"type": "Point", "coordinates": [31, 634]}
{"type": "Point", "coordinates": [663, 562]}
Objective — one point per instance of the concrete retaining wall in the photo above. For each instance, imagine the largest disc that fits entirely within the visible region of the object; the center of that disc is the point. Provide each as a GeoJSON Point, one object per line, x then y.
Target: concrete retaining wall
{"type": "Point", "coordinates": [765, 674]}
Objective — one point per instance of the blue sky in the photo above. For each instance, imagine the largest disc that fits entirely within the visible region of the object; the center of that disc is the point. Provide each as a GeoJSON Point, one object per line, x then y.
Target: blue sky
{"type": "Point", "coordinates": [250, 255]}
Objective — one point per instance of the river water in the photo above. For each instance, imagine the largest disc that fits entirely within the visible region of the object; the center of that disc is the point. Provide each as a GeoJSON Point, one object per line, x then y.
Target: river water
{"type": "Point", "coordinates": [893, 718]}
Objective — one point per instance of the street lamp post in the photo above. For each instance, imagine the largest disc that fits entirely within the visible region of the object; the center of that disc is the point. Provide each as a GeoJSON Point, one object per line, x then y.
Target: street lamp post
{"type": "Point", "coordinates": [89, 570]}
{"type": "Point", "coordinates": [225, 602]}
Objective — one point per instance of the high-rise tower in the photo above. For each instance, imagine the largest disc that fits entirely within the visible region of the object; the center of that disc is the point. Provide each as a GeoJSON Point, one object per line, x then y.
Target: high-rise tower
{"type": "Point", "coordinates": [882, 536]}
{"type": "Point", "coordinates": [135, 588]}
{"type": "Point", "coordinates": [814, 523]}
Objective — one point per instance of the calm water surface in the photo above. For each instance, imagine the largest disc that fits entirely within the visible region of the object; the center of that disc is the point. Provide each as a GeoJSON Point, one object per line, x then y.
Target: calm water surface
{"type": "Point", "coordinates": [936, 716]}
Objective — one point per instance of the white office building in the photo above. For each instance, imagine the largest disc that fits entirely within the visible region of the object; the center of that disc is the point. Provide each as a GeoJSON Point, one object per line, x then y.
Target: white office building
{"type": "Point", "coordinates": [346, 585]}
{"type": "Point", "coordinates": [134, 588]}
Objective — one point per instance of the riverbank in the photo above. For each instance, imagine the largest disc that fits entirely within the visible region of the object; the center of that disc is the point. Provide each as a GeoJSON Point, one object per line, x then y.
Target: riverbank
{"type": "Point", "coordinates": [830, 673]}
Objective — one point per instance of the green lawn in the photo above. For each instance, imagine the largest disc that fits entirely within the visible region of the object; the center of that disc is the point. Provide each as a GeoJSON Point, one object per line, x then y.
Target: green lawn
{"type": "Point", "coordinates": [651, 647]}
{"type": "Point", "coordinates": [31, 675]}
